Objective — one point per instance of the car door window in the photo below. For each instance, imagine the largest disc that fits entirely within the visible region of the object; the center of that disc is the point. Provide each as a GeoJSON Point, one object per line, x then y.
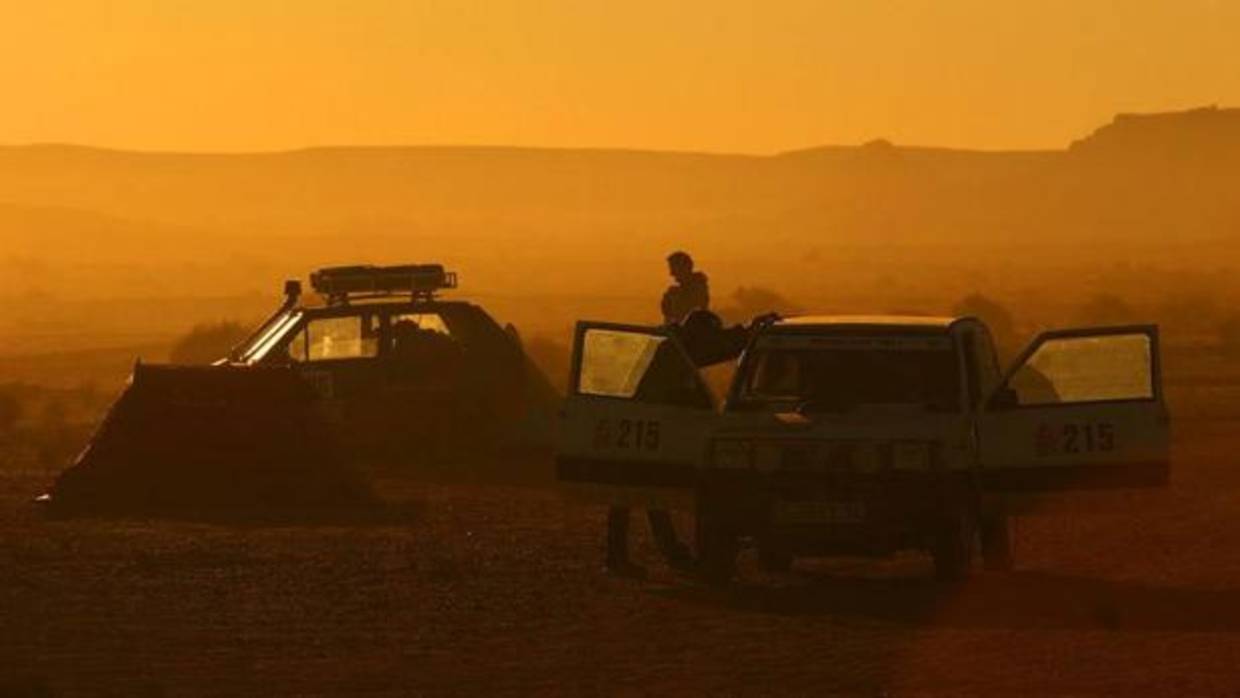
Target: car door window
{"type": "Point", "coordinates": [325, 339]}
{"type": "Point", "coordinates": [272, 339]}
{"type": "Point", "coordinates": [613, 362]}
{"type": "Point", "coordinates": [1086, 369]}
{"type": "Point", "coordinates": [641, 366]}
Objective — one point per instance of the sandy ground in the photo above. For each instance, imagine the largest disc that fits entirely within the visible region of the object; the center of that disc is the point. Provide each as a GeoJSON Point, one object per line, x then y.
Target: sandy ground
{"type": "Point", "coordinates": [481, 589]}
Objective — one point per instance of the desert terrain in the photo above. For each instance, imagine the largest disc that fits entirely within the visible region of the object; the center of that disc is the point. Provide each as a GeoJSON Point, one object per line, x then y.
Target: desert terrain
{"type": "Point", "coordinates": [475, 587]}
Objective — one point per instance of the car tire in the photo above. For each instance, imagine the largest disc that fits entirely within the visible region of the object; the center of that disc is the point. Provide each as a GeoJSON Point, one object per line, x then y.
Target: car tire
{"type": "Point", "coordinates": [996, 538]}
{"type": "Point", "coordinates": [952, 548]}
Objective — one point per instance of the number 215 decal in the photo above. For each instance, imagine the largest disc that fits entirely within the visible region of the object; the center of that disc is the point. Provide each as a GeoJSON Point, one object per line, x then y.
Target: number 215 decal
{"type": "Point", "coordinates": [1086, 437]}
{"type": "Point", "coordinates": [628, 434]}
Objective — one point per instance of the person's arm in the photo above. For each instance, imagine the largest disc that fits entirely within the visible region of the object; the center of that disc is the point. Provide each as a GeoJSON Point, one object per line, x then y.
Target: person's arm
{"type": "Point", "coordinates": [668, 305]}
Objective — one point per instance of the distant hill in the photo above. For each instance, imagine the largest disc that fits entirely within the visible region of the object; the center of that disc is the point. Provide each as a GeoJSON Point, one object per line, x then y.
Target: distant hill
{"type": "Point", "coordinates": [1207, 134]}
{"type": "Point", "coordinates": [544, 220]}
{"type": "Point", "coordinates": [872, 192]}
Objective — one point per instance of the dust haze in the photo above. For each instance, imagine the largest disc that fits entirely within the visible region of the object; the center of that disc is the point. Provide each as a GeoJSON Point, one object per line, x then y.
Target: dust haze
{"type": "Point", "coordinates": [107, 256]}
{"type": "Point", "coordinates": [139, 247]}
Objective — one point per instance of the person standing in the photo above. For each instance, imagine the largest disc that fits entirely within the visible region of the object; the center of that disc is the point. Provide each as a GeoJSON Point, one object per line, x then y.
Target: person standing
{"type": "Point", "coordinates": [689, 293]}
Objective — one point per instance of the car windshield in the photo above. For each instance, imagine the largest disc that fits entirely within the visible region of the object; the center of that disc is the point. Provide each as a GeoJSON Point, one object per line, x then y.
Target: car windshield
{"type": "Point", "coordinates": [838, 373]}
{"type": "Point", "coordinates": [270, 336]}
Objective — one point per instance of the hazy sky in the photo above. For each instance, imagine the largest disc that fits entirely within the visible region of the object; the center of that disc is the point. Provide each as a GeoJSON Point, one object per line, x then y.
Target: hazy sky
{"type": "Point", "coordinates": [719, 75]}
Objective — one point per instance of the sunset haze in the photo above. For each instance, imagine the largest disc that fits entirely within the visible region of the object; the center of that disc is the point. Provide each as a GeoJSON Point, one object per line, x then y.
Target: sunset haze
{"type": "Point", "coordinates": [717, 75]}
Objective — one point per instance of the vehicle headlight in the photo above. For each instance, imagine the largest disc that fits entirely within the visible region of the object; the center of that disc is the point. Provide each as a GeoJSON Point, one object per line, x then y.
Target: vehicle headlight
{"type": "Point", "coordinates": [732, 454]}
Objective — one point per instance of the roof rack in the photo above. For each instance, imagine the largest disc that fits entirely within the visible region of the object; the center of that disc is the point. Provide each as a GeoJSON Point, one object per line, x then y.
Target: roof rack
{"type": "Point", "coordinates": [340, 285]}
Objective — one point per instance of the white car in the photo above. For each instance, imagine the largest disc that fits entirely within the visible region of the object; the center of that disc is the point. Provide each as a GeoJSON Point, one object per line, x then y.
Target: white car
{"type": "Point", "coordinates": [862, 434]}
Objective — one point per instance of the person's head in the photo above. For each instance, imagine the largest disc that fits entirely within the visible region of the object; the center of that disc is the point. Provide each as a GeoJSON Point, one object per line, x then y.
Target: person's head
{"type": "Point", "coordinates": [680, 265]}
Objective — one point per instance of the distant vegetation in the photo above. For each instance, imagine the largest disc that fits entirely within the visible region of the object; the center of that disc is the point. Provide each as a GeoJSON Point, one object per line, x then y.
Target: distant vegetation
{"type": "Point", "coordinates": [44, 427]}
{"type": "Point", "coordinates": [205, 344]}
{"type": "Point", "coordinates": [748, 302]}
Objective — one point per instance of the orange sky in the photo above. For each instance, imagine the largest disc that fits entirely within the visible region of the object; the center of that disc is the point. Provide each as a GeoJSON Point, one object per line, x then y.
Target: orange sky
{"type": "Point", "coordinates": [718, 75]}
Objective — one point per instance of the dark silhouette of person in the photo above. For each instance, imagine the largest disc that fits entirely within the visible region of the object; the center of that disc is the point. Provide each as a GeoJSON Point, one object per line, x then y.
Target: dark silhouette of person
{"type": "Point", "coordinates": [689, 294]}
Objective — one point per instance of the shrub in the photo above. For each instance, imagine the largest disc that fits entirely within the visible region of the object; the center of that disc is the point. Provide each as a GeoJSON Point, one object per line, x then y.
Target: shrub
{"type": "Point", "coordinates": [207, 343]}
{"type": "Point", "coordinates": [748, 302]}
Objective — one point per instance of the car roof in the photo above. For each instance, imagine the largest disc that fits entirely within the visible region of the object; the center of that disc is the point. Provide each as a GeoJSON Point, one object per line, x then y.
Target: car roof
{"type": "Point", "coordinates": [394, 302]}
{"type": "Point", "coordinates": [920, 322]}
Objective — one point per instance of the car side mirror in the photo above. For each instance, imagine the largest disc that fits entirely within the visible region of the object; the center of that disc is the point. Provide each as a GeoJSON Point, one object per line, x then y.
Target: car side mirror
{"type": "Point", "coordinates": [1004, 398]}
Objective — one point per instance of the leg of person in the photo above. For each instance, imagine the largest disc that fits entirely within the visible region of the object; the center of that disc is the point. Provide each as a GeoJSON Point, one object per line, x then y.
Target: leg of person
{"type": "Point", "coordinates": [618, 562]}
{"type": "Point", "coordinates": [664, 531]}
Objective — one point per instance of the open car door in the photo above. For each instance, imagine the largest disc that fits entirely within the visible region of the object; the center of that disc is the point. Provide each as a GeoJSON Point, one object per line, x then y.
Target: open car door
{"type": "Point", "coordinates": [634, 426]}
{"type": "Point", "coordinates": [1080, 410]}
